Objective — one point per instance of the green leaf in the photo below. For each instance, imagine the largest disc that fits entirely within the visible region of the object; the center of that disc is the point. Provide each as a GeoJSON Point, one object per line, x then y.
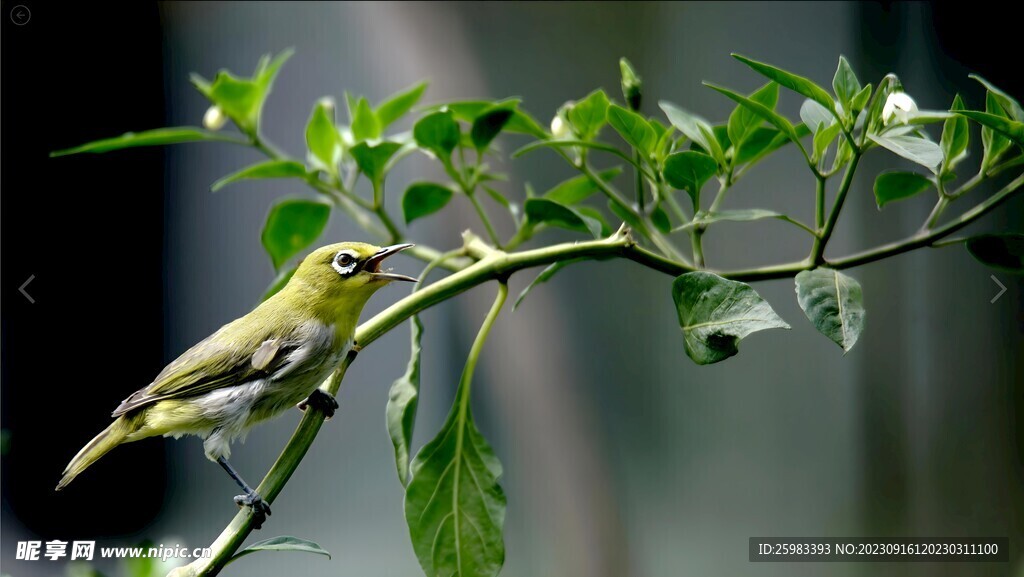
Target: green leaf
{"type": "Point", "coordinates": [242, 99]}
{"type": "Point", "coordinates": [845, 83]}
{"type": "Point", "coordinates": [823, 139]}
{"type": "Point", "coordinates": [743, 122]}
{"type": "Point", "coordinates": [365, 125]}
{"type": "Point", "coordinates": [1004, 252]}
{"type": "Point", "coordinates": [487, 126]}
{"type": "Point", "coordinates": [282, 543]}
{"type": "Point", "coordinates": [859, 101]}
{"type": "Point", "coordinates": [279, 282]}
{"type": "Point", "coordinates": [633, 128]}
{"type": "Point", "coordinates": [544, 276]}
{"type": "Point", "coordinates": [993, 141]}
{"type": "Point", "coordinates": [323, 139]}
{"type": "Point", "coordinates": [268, 169]}
{"type": "Point", "coordinates": [716, 313]}
{"type": "Point", "coordinates": [373, 160]}
{"type": "Point", "coordinates": [797, 84]}
{"type": "Point", "coordinates": [834, 304]}
{"type": "Point", "coordinates": [1005, 101]}
{"type": "Point", "coordinates": [292, 225]}
{"type": "Point", "coordinates": [523, 123]}
{"type": "Point", "coordinates": [814, 115]}
{"type": "Point", "coordinates": [689, 170]}
{"type": "Point", "coordinates": [437, 132]}
{"type": "Point", "coordinates": [785, 126]}
{"type": "Point", "coordinates": [660, 220]}
{"type": "Point", "coordinates": [579, 188]}
{"type": "Point", "coordinates": [520, 123]}
{"type": "Point", "coordinates": [956, 136]}
{"type": "Point", "coordinates": [403, 399]}
{"type": "Point", "coordinates": [597, 216]}
{"type": "Point", "coordinates": [762, 142]}
{"type": "Point", "coordinates": [156, 137]}
{"type": "Point", "coordinates": [424, 198]}
{"type": "Point", "coordinates": [547, 211]}
{"type": "Point", "coordinates": [892, 186]}
{"type": "Point", "coordinates": [695, 128]}
{"type": "Point", "coordinates": [913, 148]}
{"type": "Point", "coordinates": [626, 216]}
{"type": "Point", "coordinates": [589, 115]}
{"type": "Point", "coordinates": [399, 104]}
{"type": "Point", "coordinates": [454, 506]}
{"type": "Point", "coordinates": [1010, 129]}
{"type": "Point", "coordinates": [578, 143]}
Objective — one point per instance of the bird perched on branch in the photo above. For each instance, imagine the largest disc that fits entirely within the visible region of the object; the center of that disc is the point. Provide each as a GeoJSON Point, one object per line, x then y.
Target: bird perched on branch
{"type": "Point", "coordinates": [257, 366]}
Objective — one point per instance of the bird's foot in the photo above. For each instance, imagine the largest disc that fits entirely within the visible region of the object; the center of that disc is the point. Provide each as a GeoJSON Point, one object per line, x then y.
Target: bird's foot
{"type": "Point", "coordinates": [325, 402]}
{"type": "Point", "coordinates": [260, 508]}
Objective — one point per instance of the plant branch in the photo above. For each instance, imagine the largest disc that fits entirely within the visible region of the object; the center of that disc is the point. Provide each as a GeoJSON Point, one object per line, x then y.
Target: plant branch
{"type": "Point", "coordinates": [491, 233]}
{"type": "Point", "coordinates": [818, 248]}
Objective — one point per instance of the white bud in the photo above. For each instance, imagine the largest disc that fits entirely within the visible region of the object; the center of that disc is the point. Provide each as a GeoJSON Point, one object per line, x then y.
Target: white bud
{"type": "Point", "coordinates": [328, 103]}
{"type": "Point", "coordinates": [899, 105]}
{"type": "Point", "coordinates": [559, 127]}
{"type": "Point", "coordinates": [214, 119]}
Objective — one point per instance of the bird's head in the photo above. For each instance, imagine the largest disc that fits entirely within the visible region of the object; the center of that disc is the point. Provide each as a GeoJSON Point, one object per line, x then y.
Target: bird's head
{"type": "Point", "coordinates": [344, 274]}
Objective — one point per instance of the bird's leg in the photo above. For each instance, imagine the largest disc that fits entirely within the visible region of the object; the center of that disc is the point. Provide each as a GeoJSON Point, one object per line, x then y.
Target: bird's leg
{"type": "Point", "coordinates": [325, 402]}
{"type": "Point", "coordinates": [251, 499]}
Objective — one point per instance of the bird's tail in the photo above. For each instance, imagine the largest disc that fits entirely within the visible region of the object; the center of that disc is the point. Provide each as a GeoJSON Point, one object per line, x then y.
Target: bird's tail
{"type": "Point", "coordinates": [111, 437]}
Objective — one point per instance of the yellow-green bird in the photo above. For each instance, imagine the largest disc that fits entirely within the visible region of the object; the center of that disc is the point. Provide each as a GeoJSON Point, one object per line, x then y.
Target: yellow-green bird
{"type": "Point", "coordinates": [257, 366]}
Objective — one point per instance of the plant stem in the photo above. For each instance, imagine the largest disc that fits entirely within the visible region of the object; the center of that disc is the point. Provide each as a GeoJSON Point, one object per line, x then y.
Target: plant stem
{"type": "Point", "coordinates": [696, 236]}
{"type": "Point", "coordinates": [937, 210]}
{"type": "Point", "coordinates": [819, 203]}
{"type": "Point", "coordinates": [638, 182]}
{"type": "Point", "coordinates": [491, 233]}
{"type": "Point", "coordinates": [818, 247]}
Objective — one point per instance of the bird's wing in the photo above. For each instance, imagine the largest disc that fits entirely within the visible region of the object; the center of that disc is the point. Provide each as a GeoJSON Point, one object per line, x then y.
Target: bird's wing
{"type": "Point", "coordinates": [218, 361]}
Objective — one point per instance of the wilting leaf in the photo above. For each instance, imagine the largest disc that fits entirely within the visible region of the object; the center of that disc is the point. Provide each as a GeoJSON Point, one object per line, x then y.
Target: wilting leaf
{"type": "Point", "coordinates": [403, 400]}
{"type": "Point", "coordinates": [834, 304]}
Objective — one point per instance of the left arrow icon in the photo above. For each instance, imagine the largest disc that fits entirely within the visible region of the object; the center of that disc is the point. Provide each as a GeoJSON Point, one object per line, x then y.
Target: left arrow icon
{"type": "Point", "coordinates": [22, 290]}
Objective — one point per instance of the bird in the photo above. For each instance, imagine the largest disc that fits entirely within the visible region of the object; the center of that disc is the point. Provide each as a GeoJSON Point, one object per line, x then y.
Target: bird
{"type": "Point", "coordinates": [257, 366]}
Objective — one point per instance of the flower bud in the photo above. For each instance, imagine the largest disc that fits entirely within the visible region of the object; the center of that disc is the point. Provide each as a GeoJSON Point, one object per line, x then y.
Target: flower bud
{"type": "Point", "coordinates": [632, 85]}
{"type": "Point", "coordinates": [559, 127]}
{"type": "Point", "coordinates": [214, 119]}
{"type": "Point", "coordinates": [899, 105]}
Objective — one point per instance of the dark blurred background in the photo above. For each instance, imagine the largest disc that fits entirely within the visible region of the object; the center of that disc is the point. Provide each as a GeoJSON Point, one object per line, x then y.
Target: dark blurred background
{"type": "Point", "coordinates": [622, 457]}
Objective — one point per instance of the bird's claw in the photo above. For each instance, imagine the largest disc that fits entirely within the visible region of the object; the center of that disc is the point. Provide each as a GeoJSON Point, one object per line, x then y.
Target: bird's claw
{"type": "Point", "coordinates": [325, 402]}
{"type": "Point", "coordinates": [260, 508]}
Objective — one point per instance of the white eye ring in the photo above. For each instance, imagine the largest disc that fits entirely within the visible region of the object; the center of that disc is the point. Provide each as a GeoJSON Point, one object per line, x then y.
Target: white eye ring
{"type": "Point", "coordinates": [345, 263]}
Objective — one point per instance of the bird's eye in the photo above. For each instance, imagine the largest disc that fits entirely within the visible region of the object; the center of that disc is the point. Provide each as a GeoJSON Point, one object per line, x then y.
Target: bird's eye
{"type": "Point", "coordinates": [344, 259]}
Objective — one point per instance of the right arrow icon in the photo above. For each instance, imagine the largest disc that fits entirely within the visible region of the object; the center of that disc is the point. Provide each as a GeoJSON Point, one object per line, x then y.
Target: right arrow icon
{"type": "Point", "coordinates": [1002, 289]}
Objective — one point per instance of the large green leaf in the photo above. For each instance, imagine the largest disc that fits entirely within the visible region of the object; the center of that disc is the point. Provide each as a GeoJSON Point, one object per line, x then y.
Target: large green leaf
{"type": "Point", "coordinates": [695, 128]}
{"type": "Point", "coordinates": [547, 211]}
{"type": "Point", "coordinates": [323, 140]}
{"type": "Point", "coordinates": [633, 128]}
{"type": "Point", "coordinates": [1004, 252]}
{"type": "Point", "coordinates": [454, 506]}
{"type": "Point", "coordinates": [994, 142]}
{"type": "Point", "coordinates": [956, 136]}
{"type": "Point", "coordinates": [437, 132]}
{"type": "Point", "coordinates": [488, 125]}
{"type": "Point", "coordinates": [892, 186]}
{"type": "Point", "coordinates": [424, 198]}
{"type": "Point", "coordinates": [373, 160]}
{"type": "Point", "coordinates": [403, 399]}
{"type": "Point", "coordinates": [785, 126]}
{"type": "Point", "coordinates": [268, 169]}
{"type": "Point", "coordinates": [689, 170]}
{"type": "Point", "coordinates": [242, 99]}
{"type": "Point", "coordinates": [1006, 102]}
{"type": "Point", "coordinates": [1010, 129]}
{"type": "Point", "coordinates": [156, 137]}
{"type": "Point", "coordinates": [797, 84]}
{"type": "Point", "coordinates": [579, 188]}
{"type": "Point", "coordinates": [397, 105]}
{"type": "Point", "coordinates": [845, 83]}
{"type": "Point", "coordinates": [590, 114]}
{"type": "Point", "coordinates": [834, 304]}
{"type": "Point", "coordinates": [292, 225]}
{"type": "Point", "coordinates": [365, 124]}
{"type": "Point", "coordinates": [743, 122]}
{"type": "Point", "coordinates": [716, 313]}
{"type": "Point", "coordinates": [282, 543]}
{"type": "Point", "coordinates": [913, 148]}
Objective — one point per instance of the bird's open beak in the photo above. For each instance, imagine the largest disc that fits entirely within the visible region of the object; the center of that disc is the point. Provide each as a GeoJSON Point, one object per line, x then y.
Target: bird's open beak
{"type": "Point", "coordinates": [373, 264]}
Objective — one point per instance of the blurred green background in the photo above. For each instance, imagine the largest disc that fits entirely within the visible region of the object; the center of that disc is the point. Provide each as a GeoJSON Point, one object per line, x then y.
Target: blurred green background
{"type": "Point", "coordinates": [622, 457]}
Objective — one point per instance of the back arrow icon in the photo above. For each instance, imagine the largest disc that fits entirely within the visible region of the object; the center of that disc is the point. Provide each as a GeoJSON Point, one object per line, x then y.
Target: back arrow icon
{"type": "Point", "coordinates": [1002, 289]}
{"type": "Point", "coordinates": [22, 290]}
